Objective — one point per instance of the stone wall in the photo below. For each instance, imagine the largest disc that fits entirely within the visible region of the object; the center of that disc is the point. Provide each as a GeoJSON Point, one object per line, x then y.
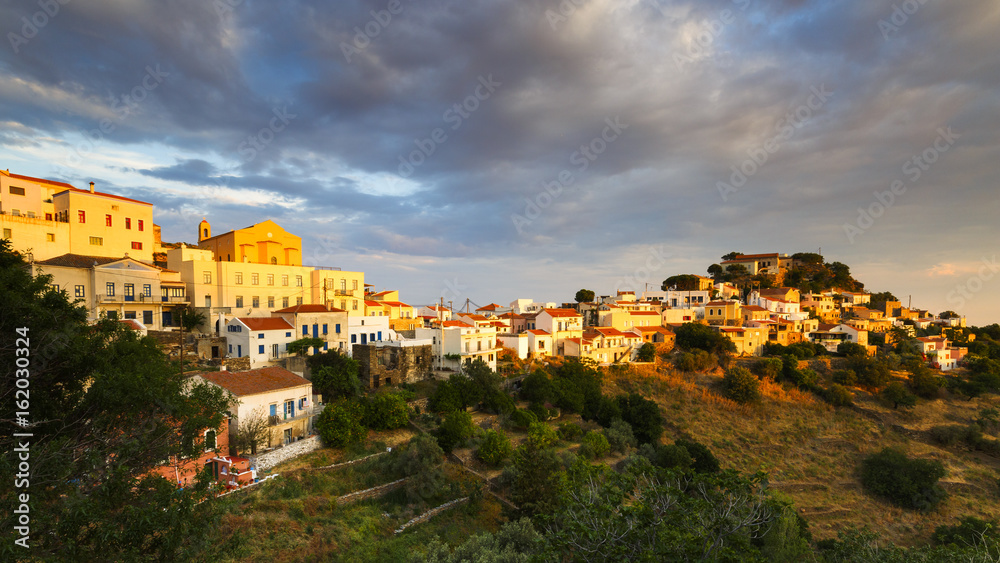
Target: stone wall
{"type": "Point", "coordinates": [272, 458]}
{"type": "Point", "coordinates": [379, 366]}
{"type": "Point", "coordinates": [205, 344]}
{"type": "Point", "coordinates": [373, 492]}
{"type": "Point", "coordinates": [237, 364]}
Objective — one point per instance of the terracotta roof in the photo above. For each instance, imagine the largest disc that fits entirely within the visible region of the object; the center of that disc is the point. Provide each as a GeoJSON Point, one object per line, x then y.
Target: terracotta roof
{"type": "Point", "coordinates": [83, 261]}
{"type": "Point", "coordinates": [718, 303]}
{"type": "Point", "coordinates": [490, 307]}
{"type": "Point", "coordinates": [754, 308]}
{"type": "Point", "coordinates": [827, 326]}
{"type": "Point", "coordinates": [382, 293]}
{"type": "Point", "coordinates": [607, 331]}
{"type": "Point", "coordinates": [539, 332]}
{"type": "Point", "coordinates": [644, 313]}
{"type": "Point", "coordinates": [310, 309]}
{"type": "Point", "coordinates": [511, 316]}
{"type": "Point", "coordinates": [474, 316]}
{"type": "Point", "coordinates": [561, 312]}
{"type": "Point", "coordinates": [265, 323]}
{"type": "Point", "coordinates": [102, 194]}
{"type": "Point", "coordinates": [132, 324]}
{"type": "Point", "coordinates": [395, 303]}
{"type": "Point", "coordinates": [659, 329]}
{"type": "Point", "coordinates": [40, 180]}
{"type": "Point", "coordinates": [255, 381]}
{"type": "Point", "coordinates": [932, 338]}
{"type": "Point", "coordinates": [457, 323]}
{"type": "Point", "coordinates": [373, 303]}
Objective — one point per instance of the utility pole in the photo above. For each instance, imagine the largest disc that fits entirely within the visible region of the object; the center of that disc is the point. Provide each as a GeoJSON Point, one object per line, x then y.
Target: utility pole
{"type": "Point", "coordinates": [181, 353]}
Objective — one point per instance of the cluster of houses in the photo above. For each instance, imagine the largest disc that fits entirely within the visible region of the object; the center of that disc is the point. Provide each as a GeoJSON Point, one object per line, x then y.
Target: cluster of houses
{"type": "Point", "coordinates": [257, 298]}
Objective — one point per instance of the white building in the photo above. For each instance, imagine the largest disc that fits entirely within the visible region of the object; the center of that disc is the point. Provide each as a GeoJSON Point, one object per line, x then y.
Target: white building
{"type": "Point", "coordinates": [456, 344]}
{"type": "Point", "coordinates": [368, 330]}
{"type": "Point", "coordinates": [263, 339]}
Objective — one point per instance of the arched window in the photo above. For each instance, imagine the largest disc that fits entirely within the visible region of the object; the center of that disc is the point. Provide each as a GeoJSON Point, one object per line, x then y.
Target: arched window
{"type": "Point", "coordinates": [205, 231]}
{"type": "Point", "coordinates": [209, 440]}
{"type": "Point", "coordinates": [274, 260]}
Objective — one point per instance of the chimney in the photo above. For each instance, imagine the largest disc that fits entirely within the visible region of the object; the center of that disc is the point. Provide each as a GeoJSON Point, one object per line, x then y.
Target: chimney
{"type": "Point", "coordinates": [91, 187]}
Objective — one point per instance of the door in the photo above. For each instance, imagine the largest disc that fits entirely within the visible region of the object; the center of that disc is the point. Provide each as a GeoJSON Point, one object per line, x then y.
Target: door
{"type": "Point", "coordinates": [130, 292]}
{"type": "Point", "coordinates": [167, 319]}
{"type": "Point", "coordinates": [147, 318]}
{"type": "Point", "coordinates": [364, 338]}
{"type": "Point", "coordinates": [239, 350]}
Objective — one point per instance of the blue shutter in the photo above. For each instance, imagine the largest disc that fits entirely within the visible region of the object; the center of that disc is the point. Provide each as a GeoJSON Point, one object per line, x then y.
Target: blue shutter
{"type": "Point", "coordinates": [260, 349]}
{"type": "Point", "coordinates": [274, 410]}
{"type": "Point", "coordinates": [315, 331]}
{"type": "Point", "coordinates": [336, 327]}
{"type": "Point", "coordinates": [305, 330]}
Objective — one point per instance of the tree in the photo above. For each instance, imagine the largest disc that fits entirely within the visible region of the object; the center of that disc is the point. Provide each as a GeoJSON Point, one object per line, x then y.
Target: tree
{"type": "Point", "coordinates": [386, 411]}
{"type": "Point", "coordinates": [342, 423]}
{"type": "Point", "coordinates": [731, 256]}
{"type": "Point", "coordinates": [851, 349]}
{"type": "Point", "coordinates": [647, 352]}
{"type": "Point", "coordinates": [334, 375]}
{"type": "Point", "coordinates": [741, 386]}
{"type": "Point", "coordinates": [541, 436]}
{"type": "Point", "coordinates": [897, 395]}
{"type": "Point", "coordinates": [190, 318]}
{"type": "Point", "coordinates": [702, 458]}
{"type": "Point", "coordinates": [682, 282]}
{"type": "Point", "coordinates": [106, 408]}
{"type": "Point", "coordinates": [595, 445]}
{"type": "Point", "coordinates": [643, 415]}
{"type": "Point", "coordinates": [301, 346]}
{"type": "Point", "coordinates": [715, 271]}
{"type": "Point", "coordinates": [456, 428]}
{"type": "Point", "coordinates": [585, 296]}
{"type": "Point", "coordinates": [691, 336]}
{"type": "Point", "coordinates": [445, 398]}
{"type": "Point", "coordinates": [254, 431]}
{"type": "Point", "coordinates": [908, 483]}
{"type": "Point", "coordinates": [494, 448]}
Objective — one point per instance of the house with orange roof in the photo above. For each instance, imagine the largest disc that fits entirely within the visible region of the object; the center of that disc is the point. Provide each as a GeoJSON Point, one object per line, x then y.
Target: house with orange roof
{"type": "Point", "coordinates": [723, 313]}
{"type": "Point", "coordinates": [772, 263]}
{"type": "Point", "coordinates": [458, 343]}
{"type": "Point", "coordinates": [754, 313]}
{"type": "Point", "coordinates": [611, 345]}
{"type": "Point", "coordinates": [280, 397]}
{"type": "Point", "coordinates": [855, 298]}
{"type": "Point", "coordinates": [940, 353]}
{"type": "Point", "coordinates": [263, 339]}
{"type": "Point", "coordinates": [436, 311]}
{"type": "Point", "coordinates": [561, 324]}
{"type": "Point", "coordinates": [749, 341]}
{"type": "Point", "coordinates": [540, 343]}
{"type": "Point", "coordinates": [671, 315]}
{"type": "Point", "coordinates": [822, 305]}
{"type": "Point", "coordinates": [318, 321]}
{"type": "Point", "coordinates": [656, 335]}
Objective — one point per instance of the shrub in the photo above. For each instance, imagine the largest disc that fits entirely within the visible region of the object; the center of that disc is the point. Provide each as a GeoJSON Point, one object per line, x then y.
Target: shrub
{"type": "Point", "coordinates": [741, 386]}
{"type": "Point", "coordinates": [445, 398]}
{"type": "Point", "coordinates": [620, 436]}
{"type": "Point", "coordinates": [845, 377]}
{"type": "Point", "coordinates": [851, 349]}
{"type": "Point", "coordinates": [950, 435]}
{"type": "Point", "coordinates": [969, 531]}
{"type": "Point", "coordinates": [539, 410]}
{"type": "Point", "coordinates": [536, 387]}
{"type": "Point", "coordinates": [838, 396]}
{"type": "Point", "coordinates": [570, 431]}
{"type": "Point", "coordinates": [541, 435]}
{"type": "Point", "coordinates": [607, 411]}
{"type": "Point", "coordinates": [494, 448]}
{"type": "Point", "coordinates": [522, 419]}
{"type": "Point", "coordinates": [386, 411]}
{"type": "Point", "coordinates": [871, 372]}
{"type": "Point", "coordinates": [908, 483]}
{"type": "Point", "coordinates": [703, 460]}
{"type": "Point", "coordinates": [342, 423]}
{"type": "Point", "coordinates": [647, 352]}
{"type": "Point", "coordinates": [498, 402]}
{"type": "Point", "coordinates": [643, 415]}
{"type": "Point", "coordinates": [767, 367]}
{"type": "Point", "coordinates": [684, 361]}
{"type": "Point", "coordinates": [897, 395]}
{"type": "Point", "coordinates": [456, 428]}
{"type": "Point", "coordinates": [669, 457]}
{"type": "Point", "coordinates": [594, 445]}
{"type": "Point", "coordinates": [924, 383]}
{"type": "Point", "coordinates": [422, 453]}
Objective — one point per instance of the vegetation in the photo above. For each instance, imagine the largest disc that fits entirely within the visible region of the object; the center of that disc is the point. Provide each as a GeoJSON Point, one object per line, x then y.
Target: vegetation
{"type": "Point", "coordinates": [646, 353]}
{"type": "Point", "coordinates": [741, 386]}
{"type": "Point", "coordinates": [906, 482]}
{"type": "Point", "coordinates": [494, 449]}
{"type": "Point", "coordinates": [683, 282]}
{"type": "Point", "coordinates": [301, 346]}
{"type": "Point", "coordinates": [334, 375]}
{"type": "Point", "coordinates": [585, 296]}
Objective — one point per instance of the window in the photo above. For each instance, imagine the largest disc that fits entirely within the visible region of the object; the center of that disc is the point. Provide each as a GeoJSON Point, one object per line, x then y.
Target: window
{"type": "Point", "coordinates": [254, 279]}
{"type": "Point", "coordinates": [343, 304]}
{"type": "Point", "coordinates": [324, 329]}
{"type": "Point", "coordinates": [110, 289]}
{"type": "Point", "coordinates": [260, 335]}
{"type": "Point", "coordinates": [239, 278]}
{"type": "Point", "coordinates": [239, 301]}
{"type": "Point", "coordinates": [130, 315]}
{"type": "Point", "coordinates": [284, 302]}
{"type": "Point", "coordinates": [354, 339]}
{"type": "Point", "coordinates": [354, 305]}
{"type": "Point", "coordinates": [206, 277]}
{"type": "Point", "coordinates": [147, 318]}
{"type": "Point", "coordinates": [107, 220]}
{"type": "Point", "coordinates": [336, 328]}
{"type": "Point", "coordinates": [343, 285]}
{"type": "Point", "coordinates": [7, 233]}
{"type": "Point", "coordinates": [270, 279]}
{"type": "Point", "coordinates": [16, 191]}
{"type": "Point", "coordinates": [256, 301]}
{"type": "Point", "coordinates": [288, 334]}
{"type": "Point", "coordinates": [274, 260]}
{"type": "Point", "coordinates": [130, 292]}
{"type": "Point", "coordinates": [354, 284]}
{"type": "Point", "coordinates": [298, 300]}
{"type": "Point", "coordinates": [260, 349]}
{"type": "Point", "coordinates": [305, 330]}
{"type": "Point", "coordinates": [128, 223]}
{"type": "Point", "coordinates": [230, 348]}
{"type": "Point", "coordinates": [140, 224]}
{"type": "Point", "coordinates": [270, 302]}
{"type": "Point", "coordinates": [136, 245]}
{"type": "Point", "coordinates": [274, 350]}
{"type": "Point", "coordinates": [147, 290]}
{"type": "Point", "coordinates": [81, 216]}
{"type": "Point", "coordinates": [209, 440]}
{"type": "Point", "coordinates": [298, 281]}
{"type": "Point", "coordinates": [97, 241]}
{"type": "Point", "coordinates": [284, 280]}
{"type": "Point", "coordinates": [50, 237]}
{"type": "Point", "coordinates": [80, 292]}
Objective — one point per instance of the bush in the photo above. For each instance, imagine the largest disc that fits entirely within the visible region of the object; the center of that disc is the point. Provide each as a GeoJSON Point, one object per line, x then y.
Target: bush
{"type": "Point", "coordinates": [386, 411]}
{"type": "Point", "coordinates": [741, 386]}
{"type": "Point", "coordinates": [647, 353]}
{"type": "Point", "coordinates": [456, 428]}
{"type": "Point", "coordinates": [698, 360]}
{"type": "Point", "coordinates": [594, 445]}
{"type": "Point", "coordinates": [445, 398]}
{"type": "Point", "coordinates": [541, 435]}
{"type": "Point", "coordinates": [536, 387]}
{"type": "Point", "coordinates": [969, 531]}
{"type": "Point", "coordinates": [498, 402]}
{"type": "Point", "coordinates": [897, 396]}
{"type": "Point", "coordinates": [907, 483]}
{"type": "Point", "coordinates": [607, 411]}
{"type": "Point", "coordinates": [845, 377]}
{"type": "Point", "coordinates": [643, 415]}
{"type": "Point", "coordinates": [767, 367]}
{"type": "Point", "coordinates": [851, 349]}
{"type": "Point", "coordinates": [871, 373]}
{"type": "Point", "coordinates": [838, 396]}
{"type": "Point", "coordinates": [569, 431]}
{"type": "Point", "coordinates": [703, 460]}
{"type": "Point", "coordinates": [342, 423]}
{"type": "Point", "coordinates": [950, 435]}
{"type": "Point", "coordinates": [422, 453]}
{"type": "Point", "coordinates": [669, 457]}
{"type": "Point", "coordinates": [925, 384]}
{"type": "Point", "coordinates": [541, 413]}
{"type": "Point", "coordinates": [522, 419]}
{"type": "Point", "coordinates": [494, 448]}
{"type": "Point", "coordinates": [620, 436]}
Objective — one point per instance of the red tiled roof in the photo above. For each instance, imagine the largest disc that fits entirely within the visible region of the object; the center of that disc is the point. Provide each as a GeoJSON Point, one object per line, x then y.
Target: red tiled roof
{"type": "Point", "coordinates": [255, 381]}
{"type": "Point", "coordinates": [511, 316]}
{"type": "Point", "coordinates": [644, 313]}
{"type": "Point", "coordinates": [132, 324]}
{"type": "Point", "coordinates": [474, 316]}
{"type": "Point", "coordinates": [539, 332]}
{"type": "Point", "coordinates": [41, 180]}
{"type": "Point", "coordinates": [395, 303]}
{"type": "Point", "coordinates": [490, 307]}
{"type": "Point", "coordinates": [753, 308]}
{"type": "Point", "coordinates": [561, 312]}
{"type": "Point", "coordinates": [718, 303]}
{"type": "Point", "coordinates": [457, 323]}
{"type": "Point", "coordinates": [265, 323]}
{"type": "Point", "coordinates": [373, 303]}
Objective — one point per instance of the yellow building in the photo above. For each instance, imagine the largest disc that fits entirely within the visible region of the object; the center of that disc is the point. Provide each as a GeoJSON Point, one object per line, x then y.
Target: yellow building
{"type": "Point", "coordinates": [262, 243]}
{"type": "Point", "coordinates": [725, 313]}
{"type": "Point", "coordinates": [339, 289]}
{"type": "Point", "coordinates": [51, 219]}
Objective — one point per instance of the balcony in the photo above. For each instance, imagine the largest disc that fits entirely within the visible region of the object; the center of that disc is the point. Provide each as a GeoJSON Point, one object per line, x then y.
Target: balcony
{"type": "Point", "coordinates": [344, 292]}
{"type": "Point", "coordinates": [278, 419]}
{"type": "Point", "coordinates": [174, 299]}
{"type": "Point", "coordinates": [104, 298]}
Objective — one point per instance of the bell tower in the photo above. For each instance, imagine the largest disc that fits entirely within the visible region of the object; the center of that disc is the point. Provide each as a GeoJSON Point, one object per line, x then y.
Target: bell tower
{"type": "Point", "coordinates": [204, 230]}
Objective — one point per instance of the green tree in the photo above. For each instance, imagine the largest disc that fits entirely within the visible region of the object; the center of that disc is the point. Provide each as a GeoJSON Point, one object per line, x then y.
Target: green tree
{"type": "Point", "coordinates": [683, 282]}
{"type": "Point", "coordinates": [896, 395]}
{"type": "Point", "coordinates": [696, 336]}
{"type": "Point", "coordinates": [386, 411]}
{"type": "Point", "coordinates": [731, 256]}
{"type": "Point", "coordinates": [445, 398]}
{"type": "Point", "coordinates": [106, 407]}
{"type": "Point", "coordinates": [909, 483]}
{"type": "Point", "coordinates": [702, 458]}
{"type": "Point", "coordinates": [647, 352]}
{"type": "Point", "coordinates": [741, 386]}
{"type": "Point", "coordinates": [342, 423]}
{"type": "Point", "coordinates": [301, 346]}
{"type": "Point", "coordinates": [190, 319]}
{"type": "Point", "coordinates": [541, 436]}
{"type": "Point", "coordinates": [585, 296]}
{"type": "Point", "coordinates": [456, 428]}
{"type": "Point", "coordinates": [595, 445]}
{"type": "Point", "coordinates": [643, 415]}
{"type": "Point", "coordinates": [715, 271]}
{"type": "Point", "coordinates": [851, 349]}
{"type": "Point", "coordinates": [536, 387]}
{"type": "Point", "coordinates": [334, 375]}
{"type": "Point", "coordinates": [494, 449]}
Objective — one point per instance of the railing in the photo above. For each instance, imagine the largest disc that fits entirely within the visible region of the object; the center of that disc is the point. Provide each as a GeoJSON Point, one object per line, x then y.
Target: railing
{"type": "Point", "coordinates": [344, 292]}
{"type": "Point", "coordinates": [330, 268]}
{"type": "Point", "coordinates": [174, 299]}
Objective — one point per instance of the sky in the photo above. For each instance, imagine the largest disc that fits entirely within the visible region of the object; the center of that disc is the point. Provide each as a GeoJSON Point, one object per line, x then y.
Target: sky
{"type": "Point", "coordinates": [486, 150]}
